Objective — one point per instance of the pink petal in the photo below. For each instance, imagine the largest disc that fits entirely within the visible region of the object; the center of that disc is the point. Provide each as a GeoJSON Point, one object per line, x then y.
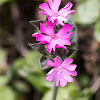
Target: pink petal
{"type": "Point", "coordinates": [43, 42]}
{"type": "Point", "coordinates": [50, 2]}
{"type": "Point", "coordinates": [63, 82]}
{"type": "Point", "coordinates": [61, 18]}
{"type": "Point", "coordinates": [50, 77]}
{"type": "Point", "coordinates": [60, 22]}
{"type": "Point", "coordinates": [52, 45]}
{"type": "Point", "coordinates": [57, 46]}
{"type": "Point", "coordinates": [65, 29]}
{"type": "Point", "coordinates": [50, 71]}
{"type": "Point", "coordinates": [50, 27]}
{"type": "Point", "coordinates": [68, 6]}
{"type": "Point", "coordinates": [51, 63]}
{"type": "Point", "coordinates": [67, 61]}
{"type": "Point", "coordinates": [71, 67]}
{"type": "Point", "coordinates": [57, 79]}
{"type": "Point", "coordinates": [64, 35]}
{"type": "Point", "coordinates": [64, 11]}
{"type": "Point", "coordinates": [73, 73]}
{"type": "Point", "coordinates": [47, 30]}
{"type": "Point", "coordinates": [35, 34]}
{"type": "Point", "coordinates": [66, 76]}
{"type": "Point", "coordinates": [45, 7]}
{"type": "Point", "coordinates": [58, 62]}
{"type": "Point", "coordinates": [52, 18]}
{"type": "Point", "coordinates": [62, 42]}
{"type": "Point", "coordinates": [42, 12]}
{"type": "Point", "coordinates": [54, 4]}
{"type": "Point", "coordinates": [49, 48]}
{"type": "Point", "coordinates": [41, 37]}
{"type": "Point", "coordinates": [66, 42]}
{"type": "Point", "coordinates": [56, 43]}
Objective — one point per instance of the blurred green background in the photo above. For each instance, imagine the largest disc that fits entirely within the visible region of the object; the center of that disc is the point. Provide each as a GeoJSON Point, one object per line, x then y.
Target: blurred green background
{"type": "Point", "coordinates": [20, 75]}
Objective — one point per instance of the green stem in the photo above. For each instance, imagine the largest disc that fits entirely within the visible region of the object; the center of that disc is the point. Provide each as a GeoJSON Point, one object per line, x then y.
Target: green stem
{"type": "Point", "coordinates": [54, 94]}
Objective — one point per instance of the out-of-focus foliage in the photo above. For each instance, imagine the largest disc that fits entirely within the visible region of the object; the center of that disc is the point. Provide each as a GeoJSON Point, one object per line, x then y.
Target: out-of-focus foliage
{"type": "Point", "coordinates": [3, 81]}
{"type": "Point", "coordinates": [70, 92]}
{"type": "Point", "coordinates": [87, 12]}
{"type": "Point", "coordinates": [21, 86]}
{"type": "Point", "coordinates": [2, 61]}
{"type": "Point", "coordinates": [4, 1]}
{"type": "Point", "coordinates": [1, 55]}
{"type": "Point", "coordinates": [29, 69]}
{"type": "Point", "coordinates": [84, 80]}
{"type": "Point", "coordinates": [6, 93]}
{"type": "Point", "coordinates": [97, 31]}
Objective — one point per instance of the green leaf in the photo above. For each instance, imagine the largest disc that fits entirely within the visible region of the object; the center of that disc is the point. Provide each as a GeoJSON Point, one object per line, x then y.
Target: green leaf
{"type": "Point", "coordinates": [21, 86]}
{"type": "Point", "coordinates": [87, 12]}
{"type": "Point", "coordinates": [97, 31]}
{"type": "Point", "coordinates": [3, 81]}
{"type": "Point", "coordinates": [30, 63]}
{"type": "Point", "coordinates": [40, 48]}
{"type": "Point", "coordinates": [84, 80]}
{"type": "Point", "coordinates": [7, 93]}
{"type": "Point", "coordinates": [29, 69]}
{"type": "Point", "coordinates": [3, 1]}
{"type": "Point", "coordinates": [2, 55]}
{"type": "Point", "coordinates": [70, 20]}
{"type": "Point", "coordinates": [38, 80]}
{"type": "Point", "coordinates": [36, 23]}
{"type": "Point", "coordinates": [85, 94]}
{"type": "Point", "coordinates": [43, 62]}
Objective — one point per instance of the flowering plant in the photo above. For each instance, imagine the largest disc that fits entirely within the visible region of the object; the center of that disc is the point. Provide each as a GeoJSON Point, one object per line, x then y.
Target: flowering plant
{"type": "Point", "coordinates": [57, 38]}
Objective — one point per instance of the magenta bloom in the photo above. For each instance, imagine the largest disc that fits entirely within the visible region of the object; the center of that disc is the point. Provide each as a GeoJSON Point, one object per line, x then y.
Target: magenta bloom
{"type": "Point", "coordinates": [61, 72]}
{"type": "Point", "coordinates": [53, 40]}
{"type": "Point", "coordinates": [52, 12]}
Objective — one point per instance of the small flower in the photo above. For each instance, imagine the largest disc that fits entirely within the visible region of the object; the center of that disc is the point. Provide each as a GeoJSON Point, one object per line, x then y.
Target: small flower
{"type": "Point", "coordinates": [61, 72]}
{"type": "Point", "coordinates": [53, 40]}
{"type": "Point", "coordinates": [52, 12]}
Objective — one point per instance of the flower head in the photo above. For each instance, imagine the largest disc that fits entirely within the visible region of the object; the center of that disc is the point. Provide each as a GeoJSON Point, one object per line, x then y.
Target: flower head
{"type": "Point", "coordinates": [52, 12]}
{"type": "Point", "coordinates": [53, 40]}
{"type": "Point", "coordinates": [61, 72]}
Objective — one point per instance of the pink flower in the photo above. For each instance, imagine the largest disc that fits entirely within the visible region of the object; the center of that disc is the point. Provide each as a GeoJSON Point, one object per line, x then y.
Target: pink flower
{"type": "Point", "coordinates": [52, 12]}
{"type": "Point", "coordinates": [54, 40]}
{"type": "Point", "coordinates": [61, 72]}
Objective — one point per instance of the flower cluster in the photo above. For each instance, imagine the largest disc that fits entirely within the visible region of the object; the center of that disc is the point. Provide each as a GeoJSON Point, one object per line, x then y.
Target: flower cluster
{"type": "Point", "coordinates": [62, 71]}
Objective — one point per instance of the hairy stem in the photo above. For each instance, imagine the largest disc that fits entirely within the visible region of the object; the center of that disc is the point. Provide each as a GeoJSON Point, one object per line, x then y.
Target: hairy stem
{"type": "Point", "coordinates": [54, 93]}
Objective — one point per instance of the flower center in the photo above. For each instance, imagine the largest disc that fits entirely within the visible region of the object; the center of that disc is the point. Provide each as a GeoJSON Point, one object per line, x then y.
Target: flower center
{"type": "Point", "coordinates": [56, 13]}
{"type": "Point", "coordinates": [53, 36]}
{"type": "Point", "coordinates": [59, 68]}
